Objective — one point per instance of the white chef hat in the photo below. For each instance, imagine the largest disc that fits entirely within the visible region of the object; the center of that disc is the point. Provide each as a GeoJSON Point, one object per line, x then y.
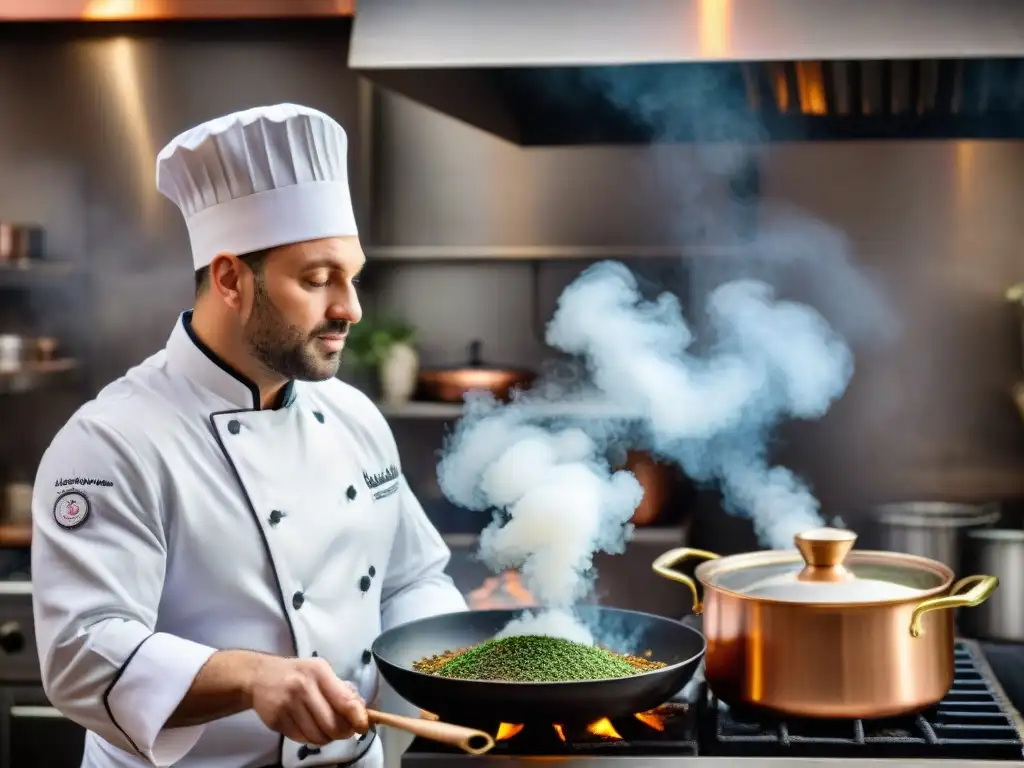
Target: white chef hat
{"type": "Point", "coordinates": [257, 179]}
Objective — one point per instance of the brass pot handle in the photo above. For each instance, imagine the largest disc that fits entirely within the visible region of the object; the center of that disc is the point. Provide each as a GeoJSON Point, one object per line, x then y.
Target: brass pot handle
{"type": "Point", "coordinates": [665, 566]}
{"type": "Point", "coordinates": [978, 594]}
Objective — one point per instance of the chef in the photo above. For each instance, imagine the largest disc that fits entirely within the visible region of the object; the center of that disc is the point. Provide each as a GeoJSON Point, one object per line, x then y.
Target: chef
{"type": "Point", "coordinates": [220, 535]}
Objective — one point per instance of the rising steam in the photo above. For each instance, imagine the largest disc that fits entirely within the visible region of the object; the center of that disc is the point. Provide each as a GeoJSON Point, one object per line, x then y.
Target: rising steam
{"type": "Point", "coordinates": [710, 410]}
{"type": "Point", "coordinates": [561, 501]}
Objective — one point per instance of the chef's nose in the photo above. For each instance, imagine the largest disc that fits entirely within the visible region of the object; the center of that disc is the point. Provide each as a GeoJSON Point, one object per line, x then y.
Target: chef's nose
{"type": "Point", "coordinates": [346, 306]}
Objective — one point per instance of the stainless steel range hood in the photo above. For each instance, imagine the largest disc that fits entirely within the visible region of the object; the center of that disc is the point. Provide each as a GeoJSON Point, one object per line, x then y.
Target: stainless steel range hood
{"type": "Point", "coordinates": [581, 71]}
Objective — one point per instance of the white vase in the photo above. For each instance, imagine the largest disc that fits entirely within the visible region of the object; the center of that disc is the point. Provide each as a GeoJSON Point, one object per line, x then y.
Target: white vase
{"type": "Point", "coordinates": [398, 372]}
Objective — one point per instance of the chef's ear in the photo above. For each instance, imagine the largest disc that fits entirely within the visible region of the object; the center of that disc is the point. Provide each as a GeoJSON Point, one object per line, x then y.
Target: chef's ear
{"type": "Point", "coordinates": [226, 271]}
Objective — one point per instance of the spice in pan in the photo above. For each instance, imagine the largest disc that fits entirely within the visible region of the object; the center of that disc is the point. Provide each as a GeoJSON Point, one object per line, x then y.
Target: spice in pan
{"type": "Point", "coordinates": [534, 658]}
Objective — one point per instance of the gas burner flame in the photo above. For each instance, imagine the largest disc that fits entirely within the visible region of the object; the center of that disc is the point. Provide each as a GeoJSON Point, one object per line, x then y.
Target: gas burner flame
{"type": "Point", "coordinates": [507, 731]}
{"type": "Point", "coordinates": [602, 728]}
{"type": "Point", "coordinates": [651, 719]}
{"type": "Point", "coordinates": [654, 719]}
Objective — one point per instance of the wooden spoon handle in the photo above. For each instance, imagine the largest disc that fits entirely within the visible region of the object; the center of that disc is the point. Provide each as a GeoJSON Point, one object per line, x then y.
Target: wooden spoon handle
{"type": "Point", "coordinates": [468, 739]}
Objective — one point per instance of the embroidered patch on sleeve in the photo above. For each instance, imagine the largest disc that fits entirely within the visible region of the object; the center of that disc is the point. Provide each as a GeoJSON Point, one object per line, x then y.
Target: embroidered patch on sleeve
{"type": "Point", "coordinates": [71, 509]}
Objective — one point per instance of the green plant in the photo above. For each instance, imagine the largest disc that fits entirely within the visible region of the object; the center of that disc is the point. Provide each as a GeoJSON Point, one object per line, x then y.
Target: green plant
{"type": "Point", "coordinates": [370, 339]}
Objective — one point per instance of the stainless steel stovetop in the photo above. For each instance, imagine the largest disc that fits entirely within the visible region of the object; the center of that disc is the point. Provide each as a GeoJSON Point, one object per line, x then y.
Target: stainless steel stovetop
{"type": "Point", "coordinates": [975, 726]}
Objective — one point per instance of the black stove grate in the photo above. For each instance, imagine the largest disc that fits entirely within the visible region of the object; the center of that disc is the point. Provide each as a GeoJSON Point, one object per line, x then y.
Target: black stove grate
{"type": "Point", "coordinates": [971, 722]}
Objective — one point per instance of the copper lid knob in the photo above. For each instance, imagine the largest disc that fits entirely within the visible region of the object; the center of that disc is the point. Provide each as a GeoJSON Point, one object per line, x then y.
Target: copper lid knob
{"type": "Point", "coordinates": [824, 550]}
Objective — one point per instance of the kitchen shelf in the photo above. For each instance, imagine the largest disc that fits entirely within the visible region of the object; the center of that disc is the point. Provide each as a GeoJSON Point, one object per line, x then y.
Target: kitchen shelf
{"type": "Point", "coordinates": [461, 540]}
{"type": "Point", "coordinates": [668, 535]}
{"type": "Point", "coordinates": [443, 411]}
{"type": "Point", "coordinates": [15, 536]}
{"type": "Point", "coordinates": [542, 252]}
{"type": "Point", "coordinates": [16, 273]}
{"type": "Point", "coordinates": [421, 410]}
{"type": "Point", "coordinates": [33, 375]}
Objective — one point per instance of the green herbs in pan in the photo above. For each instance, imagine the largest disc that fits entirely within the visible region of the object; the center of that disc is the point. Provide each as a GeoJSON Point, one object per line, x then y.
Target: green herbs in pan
{"type": "Point", "coordinates": [534, 659]}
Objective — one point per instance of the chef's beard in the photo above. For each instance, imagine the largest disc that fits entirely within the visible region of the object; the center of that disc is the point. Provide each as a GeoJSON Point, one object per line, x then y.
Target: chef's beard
{"type": "Point", "coordinates": [285, 349]}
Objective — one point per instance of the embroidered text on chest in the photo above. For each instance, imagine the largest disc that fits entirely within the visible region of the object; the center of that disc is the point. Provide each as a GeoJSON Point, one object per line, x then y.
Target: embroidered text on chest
{"type": "Point", "coordinates": [382, 483]}
{"type": "Point", "coordinates": [63, 482]}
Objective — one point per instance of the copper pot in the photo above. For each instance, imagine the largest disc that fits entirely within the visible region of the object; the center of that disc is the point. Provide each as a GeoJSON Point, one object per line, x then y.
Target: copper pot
{"type": "Point", "coordinates": [826, 632]}
{"type": "Point", "coordinates": [451, 385]}
{"type": "Point", "coordinates": [654, 478]}
{"type": "Point", "coordinates": [20, 242]}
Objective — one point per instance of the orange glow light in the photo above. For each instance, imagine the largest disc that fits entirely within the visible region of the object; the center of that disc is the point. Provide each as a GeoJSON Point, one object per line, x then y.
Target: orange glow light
{"type": "Point", "coordinates": [503, 591]}
{"type": "Point", "coordinates": [507, 731]}
{"type": "Point", "coordinates": [715, 20]}
{"type": "Point", "coordinates": [650, 719]}
{"type": "Point", "coordinates": [604, 728]}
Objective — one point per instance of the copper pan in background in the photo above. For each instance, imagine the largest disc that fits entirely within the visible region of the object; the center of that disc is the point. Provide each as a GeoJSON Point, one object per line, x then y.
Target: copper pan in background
{"type": "Point", "coordinates": [20, 242]}
{"type": "Point", "coordinates": [656, 480]}
{"type": "Point", "coordinates": [824, 632]}
{"type": "Point", "coordinates": [451, 385]}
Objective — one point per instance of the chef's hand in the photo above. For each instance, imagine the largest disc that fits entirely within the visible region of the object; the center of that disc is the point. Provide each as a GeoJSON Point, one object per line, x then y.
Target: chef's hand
{"type": "Point", "coordinates": [305, 701]}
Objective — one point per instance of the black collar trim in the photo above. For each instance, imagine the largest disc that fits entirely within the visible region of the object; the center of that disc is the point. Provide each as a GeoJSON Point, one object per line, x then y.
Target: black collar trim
{"type": "Point", "coordinates": [284, 398]}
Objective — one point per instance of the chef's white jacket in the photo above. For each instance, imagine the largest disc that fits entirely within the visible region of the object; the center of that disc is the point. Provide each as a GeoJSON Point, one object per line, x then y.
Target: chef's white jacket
{"type": "Point", "coordinates": [172, 517]}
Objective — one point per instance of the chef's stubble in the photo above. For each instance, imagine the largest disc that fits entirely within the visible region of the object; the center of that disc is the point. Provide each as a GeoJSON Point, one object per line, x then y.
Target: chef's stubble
{"type": "Point", "coordinates": [281, 347]}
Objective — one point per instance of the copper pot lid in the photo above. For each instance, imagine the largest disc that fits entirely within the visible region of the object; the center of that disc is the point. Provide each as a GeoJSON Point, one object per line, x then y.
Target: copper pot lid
{"type": "Point", "coordinates": [824, 570]}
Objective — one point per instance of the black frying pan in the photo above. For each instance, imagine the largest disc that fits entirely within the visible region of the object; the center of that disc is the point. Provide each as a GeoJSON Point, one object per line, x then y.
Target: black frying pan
{"type": "Point", "coordinates": [474, 701]}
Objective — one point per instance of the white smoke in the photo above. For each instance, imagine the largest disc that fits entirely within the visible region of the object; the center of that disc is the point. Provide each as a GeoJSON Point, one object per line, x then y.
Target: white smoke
{"type": "Point", "coordinates": [559, 497]}
{"type": "Point", "coordinates": [712, 412]}
{"type": "Point", "coordinates": [770, 361]}
{"type": "Point", "coordinates": [560, 503]}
